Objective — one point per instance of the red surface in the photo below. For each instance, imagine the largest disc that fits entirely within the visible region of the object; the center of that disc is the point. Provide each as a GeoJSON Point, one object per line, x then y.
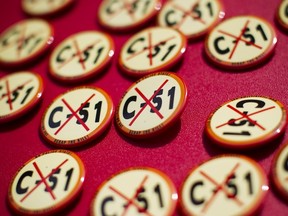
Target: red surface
{"type": "Point", "coordinates": [176, 151]}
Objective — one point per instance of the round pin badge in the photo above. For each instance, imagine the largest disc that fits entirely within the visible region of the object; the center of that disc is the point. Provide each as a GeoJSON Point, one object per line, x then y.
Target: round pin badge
{"type": "Point", "coordinates": [152, 50]}
{"type": "Point", "coordinates": [127, 14]}
{"type": "Point", "coordinates": [19, 93]}
{"type": "Point", "coordinates": [224, 185]}
{"type": "Point", "coordinates": [136, 191]}
{"type": "Point", "coordinates": [282, 14]}
{"type": "Point", "coordinates": [24, 41]}
{"type": "Point", "coordinates": [47, 183]}
{"type": "Point", "coordinates": [247, 122]}
{"type": "Point", "coordinates": [279, 171]}
{"type": "Point", "coordinates": [151, 105]}
{"type": "Point", "coordinates": [44, 7]}
{"type": "Point", "coordinates": [81, 56]}
{"type": "Point", "coordinates": [85, 111]}
{"type": "Point", "coordinates": [193, 18]}
{"type": "Point", "coordinates": [240, 42]}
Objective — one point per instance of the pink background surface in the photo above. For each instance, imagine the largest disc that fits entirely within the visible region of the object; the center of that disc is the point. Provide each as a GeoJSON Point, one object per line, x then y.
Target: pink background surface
{"type": "Point", "coordinates": [176, 151]}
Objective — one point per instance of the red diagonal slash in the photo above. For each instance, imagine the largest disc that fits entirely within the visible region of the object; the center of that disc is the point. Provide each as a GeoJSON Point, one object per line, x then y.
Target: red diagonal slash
{"type": "Point", "coordinates": [15, 89]}
{"type": "Point", "coordinates": [74, 114]}
{"type": "Point", "coordinates": [239, 38]}
{"type": "Point", "coordinates": [187, 13]}
{"type": "Point", "coordinates": [221, 187]}
{"type": "Point", "coordinates": [148, 102]}
{"type": "Point", "coordinates": [79, 54]}
{"type": "Point", "coordinates": [43, 180]}
{"type": "Point", "coordinates": [8, 95]}
{"type": "Point", "coordinates": [131, 201]}
{"type": "Point", "coordinates": [244, 116]}
{"type": "Point", "coordinates": [135, 195]}
{"type": "Point", "coordinates": [149, 48]}
{"type": "Point", "coordinates": [126, 6]}
{"type": "Point", "coordinates": [21, 41]}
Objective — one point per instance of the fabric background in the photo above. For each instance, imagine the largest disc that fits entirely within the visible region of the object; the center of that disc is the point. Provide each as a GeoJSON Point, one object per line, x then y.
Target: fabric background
{"type": "Point", "coordinates": [176, 151]}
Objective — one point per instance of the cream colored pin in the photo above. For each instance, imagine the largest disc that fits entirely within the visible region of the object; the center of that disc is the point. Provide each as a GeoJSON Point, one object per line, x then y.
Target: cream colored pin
{"type": "Point", "coordinates": [224, 185]}
{"type": "Point", "coordinates": [151, 50]}
{"type": "Point", "coordinates": [282, 14]}
{"type": "Point", "coordinates": [47, 183]}
{"type": "Point", "coordinates": [279, 171]}
{"type": "Point", "coordinates": [44, 7]}
{"type": "Point", "coordinates": [19, 93]}
{"type": "Point", "coordinates": [24, 41]}
{"type": "Point", "coordinates": [87, 111]}
{"type": "Point", "coordinates": [151, 105]}
{"type": "Point", "coordinates": [247, 122]}
{"type": "Point", "coordinates": [127, 14]}
{"type": "Point", "coordinates": [136, 191]}
{"type": "Point", "coordinates": [240, 42]}
{"type": "Point", "coordinates": [81, 56]}
{"type": "Point", "coordinates": [194, 18]}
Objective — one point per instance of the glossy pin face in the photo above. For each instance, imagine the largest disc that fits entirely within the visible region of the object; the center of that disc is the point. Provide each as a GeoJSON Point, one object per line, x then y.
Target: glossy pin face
{"type": "Point", "coordinates": [193, 18]}
{"type": "Point", "coordinates": [136, 191]}
{"type": "Point", "coordinates": [224, 185]}
{"type": "Point", "coordinates": [240, 42]}
{"type": "Point", "coordinates": [81, 56]}
{"type": "Point", "coordinates": [127, 14]}
{"type": "Point", "coordinates": [87, 111]}
{"type": "Point", "coordinates": [152, 50]}
{"type": "Point", "coordinates": [282, 14]}
{"type": "Point", "coordinates": [46, 183]}
{"type": "Point", "coordinates": [151, 105]}
{"type": "Point", "coordinates": [280, 171]}
{"type": "Point", "coordinates": [19, 93]}
{"type": "Point", "coordinates": [24, 41]}
{"type": "Point", "coordinates": [44, 7]}
{"type": "Point", "coordinates": [247, 122]}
